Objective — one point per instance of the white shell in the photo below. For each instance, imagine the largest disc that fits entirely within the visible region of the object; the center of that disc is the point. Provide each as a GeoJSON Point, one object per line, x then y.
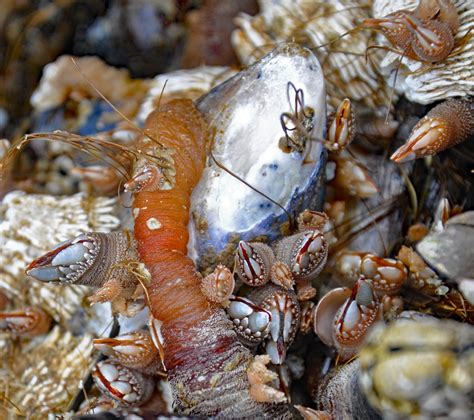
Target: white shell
{"type": "Point", "coordinates": [62, 79]}
{"type": "Point", "coordinates": [244, 113]}
{"type": "Point", "coordinates": [190, 83]}
{"type": "Point", "coordinates": [453, 77]}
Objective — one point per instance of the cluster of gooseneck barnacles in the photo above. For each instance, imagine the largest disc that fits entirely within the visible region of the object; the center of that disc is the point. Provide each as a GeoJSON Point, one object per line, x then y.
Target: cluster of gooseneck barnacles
{"type": "Point", "coordinates": [268, 296]}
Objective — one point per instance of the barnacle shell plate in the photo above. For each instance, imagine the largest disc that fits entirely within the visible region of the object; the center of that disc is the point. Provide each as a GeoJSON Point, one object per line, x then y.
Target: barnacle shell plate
{"type": "Point", "coordinates": [244, 116]}
{"type": "Point", "coordinates": [187, 83]}
{"type": "Point", "coordinates": [453, 77]}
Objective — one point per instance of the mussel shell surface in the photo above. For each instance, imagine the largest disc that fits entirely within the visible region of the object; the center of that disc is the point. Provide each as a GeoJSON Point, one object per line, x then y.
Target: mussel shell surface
{"type": "Point", "coordinates": [244, 118]}
{"type": "Point", "coordinates": [449, 252]}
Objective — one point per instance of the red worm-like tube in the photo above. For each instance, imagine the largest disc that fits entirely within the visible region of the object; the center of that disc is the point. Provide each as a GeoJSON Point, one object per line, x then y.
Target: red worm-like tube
{"type": "Point", "coordinates": [206, 363]}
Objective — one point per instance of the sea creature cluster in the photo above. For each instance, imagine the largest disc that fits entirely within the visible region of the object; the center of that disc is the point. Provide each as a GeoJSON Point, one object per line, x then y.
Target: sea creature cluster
{"type": "Point", "coordinates": [279, 224]}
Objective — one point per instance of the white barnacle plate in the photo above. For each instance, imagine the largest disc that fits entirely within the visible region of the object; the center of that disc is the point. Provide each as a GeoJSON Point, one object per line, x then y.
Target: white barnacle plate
{"type": "Point", "coordinates": [186, 83]}
{"type": "Point", "coordinates": [244, 118]}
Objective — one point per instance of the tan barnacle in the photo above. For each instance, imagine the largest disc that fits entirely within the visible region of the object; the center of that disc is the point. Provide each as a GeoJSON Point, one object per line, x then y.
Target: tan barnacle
{"type": "Point", "coordinates": [420, 274]}
{"type": "Point", "coordinates": [92, 259]}
{"type": "Point", "coordinates": [305, 253]}
{"type": "Point", "coordinates": [343, 317]}
{"type": "Point", "coordinates": [451, 77]}
{"type": "Point", "coordinates": [28, 322]}
{"type": "Point", "coordinates": [392, 306]}
{"type": "Point", "coordinates": [134, 350]}
{"type": "Point", "coordinates": [251, 322]}
{"type": "Point", "coordinates": [259, 375]}
{"type": "Point", "coordinates": [386, 275]}
{"type": "Point", "coordinates": [253, 262]}
{"type": "Point", "coordinates": [285, 312]}
{"type": "Point", "coordinates": [146, 177]}
{"type": "Point", "coordinates": [441, 215]}
{"type": "Point", "coordinates": [446, 125]}
{"type": "Point", "coordinates": [281, 275]}
{"type": "Point", "coordinates": [311, 220]}
{"type": "Point", "coordinates": [425, 34]}
{"type": "Point", "coordinates": [219, 285]}
{"type": "Point", "coordinates": [419, 367]}
{"type": "Point", "coordinates": [347, 266]}
{"type": "Point", "coordinates": [121, 384]}
{"type": "Point", "coordinates": [341, 128]}
{"type": "Point", "coordinates": [351, 178]}
{"type": "Point", "coordinates": [305, 291]}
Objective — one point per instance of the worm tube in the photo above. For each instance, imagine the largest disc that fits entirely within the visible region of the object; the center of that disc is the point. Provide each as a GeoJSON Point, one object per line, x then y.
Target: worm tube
{"type": "Point", "coordinates": [207, 365]}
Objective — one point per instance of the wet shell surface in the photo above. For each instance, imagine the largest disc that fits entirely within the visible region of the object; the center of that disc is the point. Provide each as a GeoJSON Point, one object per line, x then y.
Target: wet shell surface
{"type": "Point", "coordinates": [244, 117]}
{"type": "Point", "coordinates": [452, 77]}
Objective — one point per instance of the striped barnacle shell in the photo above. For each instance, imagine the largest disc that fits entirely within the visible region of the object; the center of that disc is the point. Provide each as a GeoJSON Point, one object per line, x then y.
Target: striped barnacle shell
{"type": "Point", "coordinates": [341, 127]}
{"type": "Point", "coordinates": [146, 177]}
{"type": "Point", "coordinates": [446, 125]}
{"type": "Point", "coordinates": [253, 262]}
{"type": "Point", "coordinates": [305, 253]}
{"type": "Point", "coordinates": [285, 312]}
{"type": "Point", "coordinates": [251, 322]}
{"type": "Point", "coordinates": [344, 316]}
{"type": "Point", "coordinates": [119, 383]}
{"type": "Point", "coordinates": [89, 259]}
{"type": "Point", "coordinates": [386, 275]}
{"type": "Point", "coordinates": [3, 300]}
{"type": "Point", "coordinates": [454, 75]}
{"type": "Point", "coordinates": [219, 285]}
{"type": "Point", "coordinates": [28, 322]}
{"type": "Point", "coordinates": [134, 350]}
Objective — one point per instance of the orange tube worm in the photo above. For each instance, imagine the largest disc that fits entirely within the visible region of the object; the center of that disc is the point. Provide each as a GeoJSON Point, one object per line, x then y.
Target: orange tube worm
{"type": "Point", "coordinates": [206, 363]}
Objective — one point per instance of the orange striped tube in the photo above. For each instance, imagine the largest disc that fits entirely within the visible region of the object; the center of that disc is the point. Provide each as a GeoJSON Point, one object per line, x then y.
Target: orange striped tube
{"type": "Point", "coordinates": [207, 364]}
